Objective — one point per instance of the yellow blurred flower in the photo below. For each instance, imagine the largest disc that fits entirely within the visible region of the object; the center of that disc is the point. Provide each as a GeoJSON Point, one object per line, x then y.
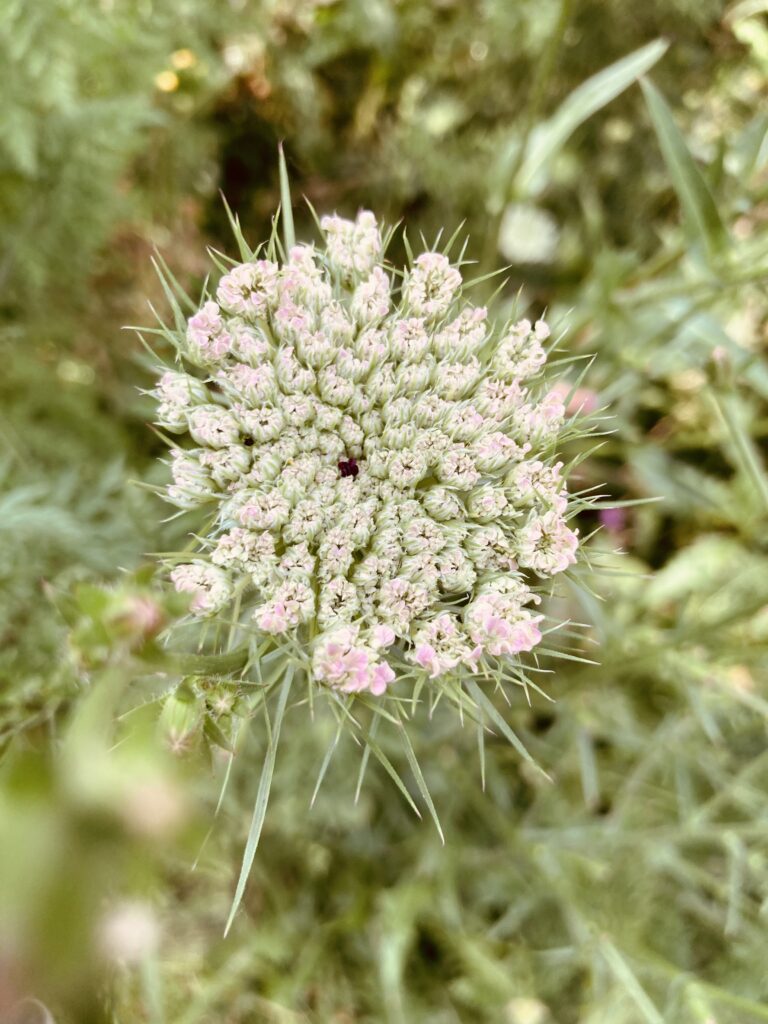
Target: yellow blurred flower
{"type": "Point", "coordinates": [167, 81]}
{"type": "Point", "coordinates": [183, 59]}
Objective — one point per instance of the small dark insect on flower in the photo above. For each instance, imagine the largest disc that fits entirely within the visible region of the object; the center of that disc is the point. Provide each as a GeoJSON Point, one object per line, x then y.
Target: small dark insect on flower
{"type": "Point", "coordinates": [349, 467]}
{"type": "Point", "coordinates": [248, 441]}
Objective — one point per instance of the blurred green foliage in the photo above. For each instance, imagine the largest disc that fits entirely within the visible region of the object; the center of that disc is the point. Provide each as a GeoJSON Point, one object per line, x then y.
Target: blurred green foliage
{"type": "Point", "coordinates": [634, 887]}
{"type": "Point", "coordinates": [80, 112]}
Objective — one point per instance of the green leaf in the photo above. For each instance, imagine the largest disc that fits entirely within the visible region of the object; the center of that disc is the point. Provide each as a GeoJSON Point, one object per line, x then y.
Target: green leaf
{"type": "Point", "coordinates": [696, 199]}
{"type": "Point", "coordinates": [216, 736]}
{"type": "Point", "coordinates": [262, 798]}
{"type": "Point", "coordinates": [208, 664]}
{"type": "Point", "coordinates": [594, 94]}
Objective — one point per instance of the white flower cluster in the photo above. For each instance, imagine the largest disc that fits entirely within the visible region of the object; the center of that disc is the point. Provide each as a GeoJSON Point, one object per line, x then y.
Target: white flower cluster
{"type": "Point", "coordinates": [377, 457]}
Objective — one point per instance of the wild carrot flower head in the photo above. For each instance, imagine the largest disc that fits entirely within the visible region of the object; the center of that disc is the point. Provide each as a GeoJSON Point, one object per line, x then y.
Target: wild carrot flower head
{"type": "Point", "coordinates": [377, 458]}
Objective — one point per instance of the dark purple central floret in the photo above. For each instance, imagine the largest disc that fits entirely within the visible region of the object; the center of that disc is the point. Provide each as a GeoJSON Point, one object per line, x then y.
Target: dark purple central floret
{"type": "Point", "coordinates": [349, 467]}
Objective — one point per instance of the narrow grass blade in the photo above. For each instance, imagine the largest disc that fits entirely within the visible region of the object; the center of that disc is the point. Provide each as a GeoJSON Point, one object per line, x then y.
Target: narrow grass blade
{"type": "Point", "coordinates": [389, 768]}
{"type": "Point", "coordinates": [736, 871]}
{"type": "Point", "coordinates": [590, 782]}
{"type": "Point", "coordinates": [180, 321]}
{"type": "Point", "coordinates": [365, 758]}
{"type": "Point", "coordinates": [224, 784]}
{"type": "Point", "coordinates": [167, 276]}
{"type": "Point", "coordinates": [262, 798]}
{"type": "Point", "coordinates": [486, 705]}
{"type": "Point", "coordinates": [289, 234]}
{"type": "Point", "coordinates": [326, 762]}
{"type": "Point", "coordinates": [246, 253]}
{"type": "Point", "coordinates": [594, 94]}
{"type": "Point", "coordinates": [624, 974]}
{"type": "Point", "coordinates": [696, 199]}
{"type": "Point", "coordinates": [629, 503]}
{"type": "Point", "coordinates": [481, 753]}
{"type": "Point", "coordinates": [420, 780]}
{"type": "Point", "coordinates": [746, 450]}
{"type": "Point", "coordinates": [152, 988]}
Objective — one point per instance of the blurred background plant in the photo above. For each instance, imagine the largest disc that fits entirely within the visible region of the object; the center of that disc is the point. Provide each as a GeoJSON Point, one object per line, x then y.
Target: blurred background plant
{"type": "Point", "coordinates": [634, 887]}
